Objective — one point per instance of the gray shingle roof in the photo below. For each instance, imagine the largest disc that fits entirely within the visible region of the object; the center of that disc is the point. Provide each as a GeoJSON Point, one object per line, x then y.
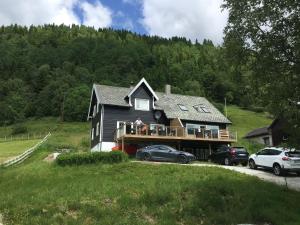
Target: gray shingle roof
{"type": "Point", "coordinates": [258, 132]}
{"type": "Point", "coordinates": [110, 95]}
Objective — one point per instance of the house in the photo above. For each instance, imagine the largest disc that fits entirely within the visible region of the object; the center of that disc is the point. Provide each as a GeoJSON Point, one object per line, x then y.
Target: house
{"type": "Point", "coordinates": [272, 135]}
{"type": "Point", "coordinates": [188, 123]}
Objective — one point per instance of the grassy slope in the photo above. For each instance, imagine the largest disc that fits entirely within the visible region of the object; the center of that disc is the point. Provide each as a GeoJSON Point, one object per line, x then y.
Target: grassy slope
{"type": "Point", "coordinates": [37, 192]}
{"type": "Point", "coordinates": [14, 148]}
{"type": "Point", "coordinates": [69, 134]}
{"type": "Point", "coordinates": [244, 121]}
{"type": "Point", "coordinates": [130, 193]}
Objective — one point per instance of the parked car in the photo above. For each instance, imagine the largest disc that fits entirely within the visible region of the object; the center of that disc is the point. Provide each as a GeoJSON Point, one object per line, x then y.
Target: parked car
{"type": "Point", "coordinates": [230, 155]}
{"type": "Point", "coordinates": [280, 160]}
{"type": "Point", "coordinates": [164, 153]}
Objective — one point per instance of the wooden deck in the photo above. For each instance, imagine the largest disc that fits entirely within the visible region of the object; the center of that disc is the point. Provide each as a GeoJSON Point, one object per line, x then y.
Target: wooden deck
{"type": "Point", "coordinates": [174, 134]}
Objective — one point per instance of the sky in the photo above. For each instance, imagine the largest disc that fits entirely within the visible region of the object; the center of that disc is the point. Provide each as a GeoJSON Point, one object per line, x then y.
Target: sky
{"type": "Point", "coordinates": [193, 19]}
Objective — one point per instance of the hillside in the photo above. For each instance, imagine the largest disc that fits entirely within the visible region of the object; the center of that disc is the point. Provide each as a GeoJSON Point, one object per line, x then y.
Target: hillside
{"type": "Point", "coordinates": [49, 70]}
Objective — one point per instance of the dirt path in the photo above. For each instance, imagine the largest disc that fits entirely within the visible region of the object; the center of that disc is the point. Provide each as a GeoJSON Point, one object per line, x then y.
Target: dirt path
{"type": "Point", "coordinates": [291, 180]}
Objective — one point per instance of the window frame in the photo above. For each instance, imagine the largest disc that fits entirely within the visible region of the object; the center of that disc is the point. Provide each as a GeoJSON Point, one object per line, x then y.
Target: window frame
{"type": "Point", "coordinates": [182, 107]}
{"type": "Point", "coordinates": [142, 109]}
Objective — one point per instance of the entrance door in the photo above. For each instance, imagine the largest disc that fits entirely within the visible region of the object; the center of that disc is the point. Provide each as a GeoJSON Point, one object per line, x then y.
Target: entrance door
{"type": "Point", "coordinates": [121, 128]}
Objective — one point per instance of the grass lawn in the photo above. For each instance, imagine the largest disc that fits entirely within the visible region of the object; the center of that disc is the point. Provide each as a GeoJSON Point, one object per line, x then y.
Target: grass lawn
{"type": "Point", "coordinates": [73, 135]}
{"type": "Point", "coordinates": [243, 121]}
{"type": "Point", "coordinates": [37, 192]}
{"type": "Point", "coordinates": [11, 149]}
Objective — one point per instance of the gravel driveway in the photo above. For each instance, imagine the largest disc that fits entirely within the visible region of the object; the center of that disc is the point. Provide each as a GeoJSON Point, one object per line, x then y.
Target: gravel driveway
{"type": "Point", "coordinates": [292, 181]}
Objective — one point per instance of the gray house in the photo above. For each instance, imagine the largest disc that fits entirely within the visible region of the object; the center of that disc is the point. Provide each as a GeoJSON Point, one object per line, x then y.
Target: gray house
{"type": "Point", "coordinates": [188, 123]}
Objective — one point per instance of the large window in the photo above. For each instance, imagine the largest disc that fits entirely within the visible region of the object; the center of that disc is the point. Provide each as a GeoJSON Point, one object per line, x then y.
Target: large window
{"type": "Point", "coordinates": [142, 104]}
{"type": "Point", "coordinates": [200, 130]}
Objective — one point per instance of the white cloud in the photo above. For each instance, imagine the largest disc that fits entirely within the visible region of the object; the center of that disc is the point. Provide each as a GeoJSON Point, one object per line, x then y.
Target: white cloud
{"type": "Point", "coordinates": [193, 19]}
{"type": "Point", "coordinates": [39, 12]}
{"type": "Point", "coordinates": [96, 15]}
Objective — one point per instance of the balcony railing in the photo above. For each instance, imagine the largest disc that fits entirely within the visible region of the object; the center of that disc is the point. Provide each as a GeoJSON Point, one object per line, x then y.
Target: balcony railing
{"type": "Point", "coordinates": [173, 132]}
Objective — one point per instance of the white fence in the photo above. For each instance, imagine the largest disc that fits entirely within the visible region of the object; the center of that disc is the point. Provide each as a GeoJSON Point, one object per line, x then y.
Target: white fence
{"type": "Point", "coordinates": [29, 136]}
{"type": "Point", "coordinates": [24, 155]}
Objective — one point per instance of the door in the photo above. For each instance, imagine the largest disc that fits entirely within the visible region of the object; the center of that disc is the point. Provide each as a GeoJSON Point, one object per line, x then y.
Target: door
{"type": "Point", "coordinates": [263, 158]}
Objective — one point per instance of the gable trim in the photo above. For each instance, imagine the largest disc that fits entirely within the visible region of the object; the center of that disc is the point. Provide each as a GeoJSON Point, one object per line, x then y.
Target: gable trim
{"type": "Point", "coordinates": [143, 80]}
{"type": "Point", "coordinates": [98, 100]}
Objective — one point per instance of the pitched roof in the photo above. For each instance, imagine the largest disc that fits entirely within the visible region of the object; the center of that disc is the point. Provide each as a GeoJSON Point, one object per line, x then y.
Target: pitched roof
{"type": "Point", "coordinates": [258, 132]}
{"type": "Point", "coordinates": [110, 95]}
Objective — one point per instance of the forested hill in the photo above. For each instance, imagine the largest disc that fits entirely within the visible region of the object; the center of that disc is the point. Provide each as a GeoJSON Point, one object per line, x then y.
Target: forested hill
{"type": "Point", "coordinates": [43, 68]}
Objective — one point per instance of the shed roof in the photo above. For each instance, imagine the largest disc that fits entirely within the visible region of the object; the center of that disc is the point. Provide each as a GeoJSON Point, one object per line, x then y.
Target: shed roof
{"type": "Point", "coordinates": [258, 132]}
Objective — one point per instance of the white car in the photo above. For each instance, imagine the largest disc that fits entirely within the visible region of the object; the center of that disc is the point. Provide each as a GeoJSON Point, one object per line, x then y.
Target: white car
{"type": "Point", "coordinates": [280, 160]}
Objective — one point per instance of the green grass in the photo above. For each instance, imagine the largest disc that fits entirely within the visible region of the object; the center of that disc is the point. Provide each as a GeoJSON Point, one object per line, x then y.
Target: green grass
{"type": "Point", "coordinates": [11, 149]}
{"type": "Point", "coordinates": [74, 135]}
{"type": "Point", "coordinates": [244, 121]}
{"type": "Point", "coordinates": [131, 193]}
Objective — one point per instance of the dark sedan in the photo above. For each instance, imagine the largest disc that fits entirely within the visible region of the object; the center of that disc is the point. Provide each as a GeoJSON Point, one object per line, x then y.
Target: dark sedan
{"type": "Point", "coordinates": [163, 153]}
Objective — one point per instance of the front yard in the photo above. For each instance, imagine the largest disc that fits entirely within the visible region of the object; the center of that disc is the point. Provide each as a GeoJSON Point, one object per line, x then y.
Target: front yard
{"type": "Point", "coordinates": [11, 149]}
{"type": "Point", "coordinates": [130, 193]}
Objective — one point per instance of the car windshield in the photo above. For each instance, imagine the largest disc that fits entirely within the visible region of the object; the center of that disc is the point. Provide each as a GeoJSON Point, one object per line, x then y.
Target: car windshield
{"type": "Point", "coordinates": [242, 149]}
{"type": "Point", "coordinates": [295, 153]}
{"type": "Point", "coordinates": [172, 149]}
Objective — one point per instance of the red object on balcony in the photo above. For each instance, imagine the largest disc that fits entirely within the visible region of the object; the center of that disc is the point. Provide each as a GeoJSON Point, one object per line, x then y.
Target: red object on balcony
{"type": "Point", "coordinates": [129, 149]}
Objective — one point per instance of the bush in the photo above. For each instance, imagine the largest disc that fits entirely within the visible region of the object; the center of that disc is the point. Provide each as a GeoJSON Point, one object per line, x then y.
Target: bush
{"type": "Point", "coordinates": [19, 129]}
{"type": "Point", "coordinates": [91, 158]}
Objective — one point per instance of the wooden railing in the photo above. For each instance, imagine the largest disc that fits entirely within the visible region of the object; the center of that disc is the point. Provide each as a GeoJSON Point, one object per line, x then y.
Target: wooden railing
{"type": "Point", "coordinates": [176, 132]}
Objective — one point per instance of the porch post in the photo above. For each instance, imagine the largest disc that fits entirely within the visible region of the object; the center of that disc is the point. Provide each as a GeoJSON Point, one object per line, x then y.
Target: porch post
{"type": "Point", "coordinates": [209, 147]}
{"type": "Point", "coordinates": [123, 144]}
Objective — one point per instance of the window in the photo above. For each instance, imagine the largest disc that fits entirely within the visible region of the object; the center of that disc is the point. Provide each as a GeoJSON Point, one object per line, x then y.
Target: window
{"type": "Point", "coordinates": [266, 140]}
{"type": "Point", "coordinates": [201, 108]}
{"type": "Point", "coordinates": [142, 104]}
{"type": "Point", "coordinates": [182, 107]}
{"type": "Point", "coordinates": [94, 111]}
{"type": "Point", "coordinates": [92, 134]}
{"type": "Point", "coordinates": [97, 129]}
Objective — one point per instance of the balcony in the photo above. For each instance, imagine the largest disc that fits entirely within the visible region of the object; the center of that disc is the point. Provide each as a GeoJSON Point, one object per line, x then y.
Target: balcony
{"type": "Point", "coordinates": [173, 133]}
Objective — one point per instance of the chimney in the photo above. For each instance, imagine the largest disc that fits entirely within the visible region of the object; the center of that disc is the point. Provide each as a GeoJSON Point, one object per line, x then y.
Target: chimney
{"type": "Point", "coordinates": [168, 89]}
{"type": "Point", "coordinates": [131, 85]}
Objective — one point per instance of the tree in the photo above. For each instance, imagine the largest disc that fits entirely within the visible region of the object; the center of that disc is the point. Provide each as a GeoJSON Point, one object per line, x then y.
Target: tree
{"type": "Point", "coordinates": [269, 36]}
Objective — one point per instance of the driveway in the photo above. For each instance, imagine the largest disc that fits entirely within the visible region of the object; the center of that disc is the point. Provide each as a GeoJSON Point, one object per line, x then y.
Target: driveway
{"type": "Point", "coordinates": [291, 180]}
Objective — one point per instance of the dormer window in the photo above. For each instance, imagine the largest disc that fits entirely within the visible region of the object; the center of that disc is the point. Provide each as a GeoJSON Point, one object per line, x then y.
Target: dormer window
{"type": "Point", "coordinates": [142, 104]}
{"type": "Point", "coordinates": [183, 107]}
{"type": "Point", "coordinates": [201, 108]}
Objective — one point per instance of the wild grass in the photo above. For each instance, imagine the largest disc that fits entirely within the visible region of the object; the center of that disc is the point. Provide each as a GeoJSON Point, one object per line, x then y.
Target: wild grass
{"type": "Point", "coordinates": [132, 193]}
{"type": "Point", "coordinates": [244, 121]}
{"type": "Point", "coordinates": [11, 149]}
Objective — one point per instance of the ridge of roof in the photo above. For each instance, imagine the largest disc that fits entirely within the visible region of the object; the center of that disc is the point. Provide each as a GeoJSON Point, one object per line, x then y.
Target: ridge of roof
{"type": "Point", "coordinates": [113, 95]}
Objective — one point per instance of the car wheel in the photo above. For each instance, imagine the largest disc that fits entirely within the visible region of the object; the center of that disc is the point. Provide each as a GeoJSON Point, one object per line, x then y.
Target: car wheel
{"type": "Point", "coordinates": [182, 159]}
{"type": "Point", "coordinates": [147, 157]}
{"type": "Point", "coordinates": [244, 164]}
{"type": "Point", "coordinates": [277, 169]}
{"type": "Point", "coordinates": [252, 164]}
{"type": "Point", "coordinates": [227, 162]}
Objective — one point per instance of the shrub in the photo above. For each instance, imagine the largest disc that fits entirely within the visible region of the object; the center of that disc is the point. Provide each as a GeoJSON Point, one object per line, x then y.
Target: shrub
{"type": "Point", "coordinates": [19, 129]}
{"type": "Point", "coordinates": [91, 158]}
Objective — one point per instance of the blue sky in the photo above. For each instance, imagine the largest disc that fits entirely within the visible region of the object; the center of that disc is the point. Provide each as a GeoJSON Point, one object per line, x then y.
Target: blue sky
{"type": "Point", "coordinates": [193, 19]}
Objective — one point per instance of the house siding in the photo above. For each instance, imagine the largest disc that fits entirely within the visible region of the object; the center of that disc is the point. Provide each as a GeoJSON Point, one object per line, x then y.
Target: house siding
{"type": "Point", "coordinates": [95, 120]}
{"type": "Point", "coordinates": [112, 114]}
